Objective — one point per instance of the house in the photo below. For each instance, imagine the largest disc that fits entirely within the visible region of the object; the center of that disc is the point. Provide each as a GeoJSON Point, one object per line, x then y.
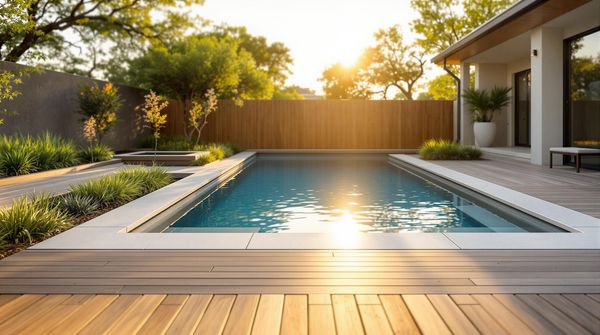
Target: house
{"type": "Point", "coordinates": [548, 51]}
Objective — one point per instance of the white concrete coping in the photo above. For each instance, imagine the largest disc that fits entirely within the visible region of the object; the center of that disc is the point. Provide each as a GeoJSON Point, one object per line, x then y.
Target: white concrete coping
{"type": "Point", "coordinates": [575, 150]}
{"type": "Point", "coordinates": [584, 230]}
{"type": "Point", "coordinates": [112, 230]}
{"type": "Point", "coordinates": [26, 178]}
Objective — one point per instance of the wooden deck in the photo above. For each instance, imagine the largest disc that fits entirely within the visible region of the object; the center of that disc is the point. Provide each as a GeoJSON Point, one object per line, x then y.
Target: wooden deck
{"type": "Point", "coordinates": [301, 314]}
{"type": "Point", "coordinates": [321, 271]}
{"type": "Point", "coordinates": [560, 185]}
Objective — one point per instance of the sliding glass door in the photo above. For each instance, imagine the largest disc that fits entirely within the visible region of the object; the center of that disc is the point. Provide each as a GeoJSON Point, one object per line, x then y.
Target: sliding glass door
{"type": "Point", "coordinates": [582, 112]}
{"type": "Point", "coordinates": [523, 108]}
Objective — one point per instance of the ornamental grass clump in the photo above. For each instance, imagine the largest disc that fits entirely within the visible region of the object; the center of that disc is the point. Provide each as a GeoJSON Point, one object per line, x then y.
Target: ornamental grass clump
{"type": "Point", "coordinates": [27, 154]}
{"type": "Point", "coordinates": [95, 153]}
{"type": "Point", "coordinates": [32, 218]}
{"type": "Point", "coordinates": [124, 186]}
{"type": "Point", "coordinates": [149, 179]}
{"type": "Point", "coordinates": [108, 190]}
{"type": "Point", "coordinates": [215, 152]}
{"type": "Point", "coordinates": [77, 204]}
{"type": "Point", "coordinates": [447, 150]}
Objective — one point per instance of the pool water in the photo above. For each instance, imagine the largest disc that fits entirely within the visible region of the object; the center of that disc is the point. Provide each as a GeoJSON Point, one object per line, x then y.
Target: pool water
{"type": "Point", "coordinates": [329, 194]}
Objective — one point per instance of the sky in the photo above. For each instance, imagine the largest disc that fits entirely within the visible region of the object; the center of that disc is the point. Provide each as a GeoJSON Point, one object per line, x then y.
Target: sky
{"type": "Point", "coordinates": [319, 33]}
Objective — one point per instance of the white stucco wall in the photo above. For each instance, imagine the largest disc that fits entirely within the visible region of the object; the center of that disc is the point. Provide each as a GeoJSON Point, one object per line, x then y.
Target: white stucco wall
{"type": "Point", "coordinates": [488, 75]}
{"type": "Point", "coordinates": [466, 126]}
{"type": "Point", "coordinates": [546, 93]}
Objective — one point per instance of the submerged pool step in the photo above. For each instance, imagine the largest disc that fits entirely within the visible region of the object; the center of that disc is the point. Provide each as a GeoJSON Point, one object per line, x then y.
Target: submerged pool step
{"type": "Point", "coordinates": [491, 220]}
{"type": "Point", "coordinates": [212, 230]}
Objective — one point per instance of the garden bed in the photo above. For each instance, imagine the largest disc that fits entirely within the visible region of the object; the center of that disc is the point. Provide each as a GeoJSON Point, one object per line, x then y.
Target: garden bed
{"type": "Point", "coordinates": [52, 173]}
{"type": "Point", "coordinates": [31, 220]}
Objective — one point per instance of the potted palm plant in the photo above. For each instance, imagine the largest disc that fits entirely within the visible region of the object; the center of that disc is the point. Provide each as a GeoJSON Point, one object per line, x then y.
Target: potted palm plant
{"type": "Point", "coordinates": [484, 104]}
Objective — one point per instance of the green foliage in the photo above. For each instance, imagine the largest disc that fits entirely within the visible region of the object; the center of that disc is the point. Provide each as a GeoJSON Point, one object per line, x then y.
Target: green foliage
{"type": "Point", "coordinates": [287, 93]}
{"type": "Point", "coordinates": [186, 69]}
{"type": "Point", "coordinates": [447, 150]}
{"type": "Point", "coordinates": [26, 154]}
{"type": "Point", "coordinates": [393, 63]}
{"type": "Point", "coordinates": [152, 116]}
{"type": "Point", "coordinates": [47, 29]}
{"type": "Point", "coordinates": [390, 63]}
{"type": "Point", "coordinates": [274, 59]}
{"type": "Point", "coordinates": [485, 103]}
{"type": "Point", "coordinates": [77, 205]}
{"type": "Point", "coordinates": [344, 82]}
{"type": "Point", "coordinates": [442, 23]}
{"type": "Point", "coordinates": [216, 152]}
{"type": "Point", "coordinates": [8, 81]}
{"type": "Point", "coordinates": [108, 191]}
{"type": "Point", "coordinates": [102, 105]}
{"type": "Point", "coordinates": [442, 87]}
{"type": "Point", "coordinates": [28, 219]}
{"type": "Point", "coordinates": [149, 179]}
{"type": "Point", "coordinates": [95, 153]}
{"type": "Point", "coordinates": [124, 186]}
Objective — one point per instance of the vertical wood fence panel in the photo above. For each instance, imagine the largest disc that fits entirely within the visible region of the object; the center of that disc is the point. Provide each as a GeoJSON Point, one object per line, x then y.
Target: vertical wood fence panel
{"type": "Point", "coordinates": [323, 124]}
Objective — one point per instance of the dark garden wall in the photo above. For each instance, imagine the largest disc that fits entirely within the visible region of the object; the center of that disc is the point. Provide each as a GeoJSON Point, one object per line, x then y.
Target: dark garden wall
{"type": "Point", "coordinates": [48, 102]}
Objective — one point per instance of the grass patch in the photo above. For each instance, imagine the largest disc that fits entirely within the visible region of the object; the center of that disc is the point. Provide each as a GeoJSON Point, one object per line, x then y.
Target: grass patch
{"type": "Point", "coordinates": [124, 186]}
{"type": "Point", "coordinates": [215, 152]}
{"type": "Point", "coordinates": [21, 155]}
{"type": "Point", "coordinates": [448, 150]}
{"type": "Point", "coordinates": [95, 153]}
{"type": "Point", "coordinates": [34, 219]}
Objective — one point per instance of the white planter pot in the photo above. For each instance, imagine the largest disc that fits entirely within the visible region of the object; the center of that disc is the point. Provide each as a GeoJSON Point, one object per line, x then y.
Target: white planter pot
{"type": "Point", "coordinates": [484, 133]}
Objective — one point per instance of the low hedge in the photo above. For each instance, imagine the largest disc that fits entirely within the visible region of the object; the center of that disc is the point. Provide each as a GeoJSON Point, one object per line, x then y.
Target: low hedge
{"type": "Point", "coordinates": [448, 150]}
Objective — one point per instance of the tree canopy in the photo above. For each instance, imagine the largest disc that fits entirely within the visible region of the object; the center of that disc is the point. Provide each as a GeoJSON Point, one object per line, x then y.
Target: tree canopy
{"type": "Point", "coordinates": [344, 82]}
{"type": "Point", "coordinates": [46, 29]}
{"type": "Point", "coordinates": [442, 23]}
{"type": "Point", "coordinates": [188, 68]}
{"type": "Point", "coordinates": [393, 63]}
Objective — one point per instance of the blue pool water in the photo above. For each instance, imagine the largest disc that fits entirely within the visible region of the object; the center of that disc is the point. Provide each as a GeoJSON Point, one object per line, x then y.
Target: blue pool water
{"type": "Point", "coordinates": [338, 193]}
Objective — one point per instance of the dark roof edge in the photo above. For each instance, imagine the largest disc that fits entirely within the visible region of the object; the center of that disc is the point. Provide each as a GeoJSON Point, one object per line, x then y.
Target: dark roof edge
{"type": "Point", "coordinates": [509, 14]}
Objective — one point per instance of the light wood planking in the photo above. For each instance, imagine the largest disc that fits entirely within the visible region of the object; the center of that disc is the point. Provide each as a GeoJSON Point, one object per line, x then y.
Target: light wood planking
{"type": "Point", "coordinates": [291, 314]}
{"type": "Point", "coordinates": [295, 315]}
{"type": "Point", "coordinates": [560, 185]}
{"type": "Point", "coordinates": [268, 314]}
{"type": "Point", "coordinates": [429, 321]}
{"type": "Point", "coordinates": [323, 124]}
{"type": "Point", "coordinates": [242, 315]}
{"type": "Point", "coordinates": [216, 314]}
{"type": "Point", "coordinates": [452, 315]}
{"type": "Point", "coordinates": [347, 317]}
{"type": "Point", "coordinates": [321, 320]}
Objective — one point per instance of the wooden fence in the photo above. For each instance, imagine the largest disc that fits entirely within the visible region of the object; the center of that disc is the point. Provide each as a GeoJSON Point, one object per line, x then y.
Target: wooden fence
{"type": "Point", "coordinates": [324, 124]}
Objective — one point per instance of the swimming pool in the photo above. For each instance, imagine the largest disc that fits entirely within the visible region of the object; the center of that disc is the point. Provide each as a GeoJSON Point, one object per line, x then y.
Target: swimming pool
{"type": "Point", "coordinates": [334, 193]}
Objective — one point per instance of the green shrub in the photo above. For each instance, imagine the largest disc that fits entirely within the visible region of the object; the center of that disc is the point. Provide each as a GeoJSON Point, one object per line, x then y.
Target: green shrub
{"type": "Point", "coordinates": [108, 190]}
{"type": "Point", "coordinates": [215, 153]}
{"type": "Point", "coordinates": [124, 186]}
{"type": "Point", "coordinates": [28, 219]}
{"type": "Point", "coordinates": [447, 150]}
{"type": "Point", "coordinates": [149, 179]}
{"type": "Point", "coordinates": [26, 154]}
{"type": "Point", "coordinates": [76, 204]}
{"type": "Point", "coordinates": [95, 153]}
{"type": "Point", "coordinates": [15, 161]}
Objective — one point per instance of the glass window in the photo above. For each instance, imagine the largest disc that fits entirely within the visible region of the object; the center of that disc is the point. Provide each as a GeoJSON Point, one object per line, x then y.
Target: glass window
{"type": "Point", "coordinates": [583, 100]}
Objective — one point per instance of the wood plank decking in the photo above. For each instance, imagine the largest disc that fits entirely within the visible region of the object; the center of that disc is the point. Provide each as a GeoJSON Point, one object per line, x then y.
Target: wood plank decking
{"type": "Point", "coordinates": [560, 185]}
{"type": "Point", "coordinates": [301, 314]}
{"type": "Point", "coordinates": [286, 271]}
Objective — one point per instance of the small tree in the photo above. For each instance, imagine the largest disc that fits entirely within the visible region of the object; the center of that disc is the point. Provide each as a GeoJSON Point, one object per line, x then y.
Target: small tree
{"type": "Point", "coordinates": [102, 104]}
{"type": "Point", "coordinates": [198, 115]}
{"type": "Point", "coordinates": [152, 116]}
{"type": "Point", "coordinates": [89, 133]}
